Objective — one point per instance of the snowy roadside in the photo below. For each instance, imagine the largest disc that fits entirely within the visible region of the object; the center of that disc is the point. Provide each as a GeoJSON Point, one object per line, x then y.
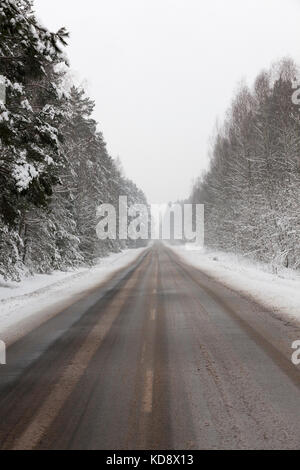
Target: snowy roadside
{"type": "Point", "coordinates": [278, 292]}
{"type": "Point", "coordinates": [25, 305]}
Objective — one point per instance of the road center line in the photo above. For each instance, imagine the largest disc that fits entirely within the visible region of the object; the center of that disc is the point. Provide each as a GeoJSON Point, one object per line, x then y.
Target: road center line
{"type": "Point", "coordinates": [148, 395]}
{"type": "Point", "coordinates": [153, 314]}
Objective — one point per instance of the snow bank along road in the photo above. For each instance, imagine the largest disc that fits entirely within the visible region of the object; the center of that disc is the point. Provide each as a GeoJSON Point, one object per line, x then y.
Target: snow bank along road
{"type": "Point", "coordinates": [159, 357]}
{"type": "Point", "coordinates": [26, 305]}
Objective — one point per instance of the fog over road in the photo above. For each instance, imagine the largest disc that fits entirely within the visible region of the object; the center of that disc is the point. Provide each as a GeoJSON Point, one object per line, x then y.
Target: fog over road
{"type": "Point", "coordinates": [159, 357]}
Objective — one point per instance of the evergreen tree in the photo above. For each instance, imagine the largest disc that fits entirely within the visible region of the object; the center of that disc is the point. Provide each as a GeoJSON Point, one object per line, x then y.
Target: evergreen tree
{"type": "Point", "coordinates": [54, 166]}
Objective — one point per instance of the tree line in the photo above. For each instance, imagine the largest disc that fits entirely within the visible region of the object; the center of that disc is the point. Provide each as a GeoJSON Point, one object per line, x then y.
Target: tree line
{"type": "Point", "coordinates": [252, 186]}
{"type": "Point", "coordinates": [54, 166]}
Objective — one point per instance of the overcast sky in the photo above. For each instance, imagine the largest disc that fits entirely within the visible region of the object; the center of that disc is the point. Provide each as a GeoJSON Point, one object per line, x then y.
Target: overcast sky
{"type": "Point", "coordinates": [162, 71]}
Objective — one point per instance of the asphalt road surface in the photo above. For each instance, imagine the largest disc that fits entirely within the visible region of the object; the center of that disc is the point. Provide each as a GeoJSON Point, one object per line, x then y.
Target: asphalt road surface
{"type": "Point", "coordinates": [160, 357]}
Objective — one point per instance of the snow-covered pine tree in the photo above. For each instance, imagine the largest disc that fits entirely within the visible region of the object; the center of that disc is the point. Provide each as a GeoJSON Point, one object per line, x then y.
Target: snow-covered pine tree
{"type": "Point", "coordinates": [54, 166]}
{"type": "Point", "coordinates": [29, 137]}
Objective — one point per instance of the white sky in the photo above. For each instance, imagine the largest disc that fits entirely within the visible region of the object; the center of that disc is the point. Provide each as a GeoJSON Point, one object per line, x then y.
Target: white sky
{"type": "Point", "coordinates": [162, 71]}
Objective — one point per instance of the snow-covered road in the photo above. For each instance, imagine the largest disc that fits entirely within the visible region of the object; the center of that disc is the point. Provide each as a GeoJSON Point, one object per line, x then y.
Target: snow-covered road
{"type": "Point", "coordinates": [25, 305]}
{"type": "Point", "coordinates": [161, 356]}
{"type": "Point", "coordinates": [278, 292]}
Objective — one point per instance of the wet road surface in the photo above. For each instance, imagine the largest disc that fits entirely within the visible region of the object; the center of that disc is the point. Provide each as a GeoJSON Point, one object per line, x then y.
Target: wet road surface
{"type": "Point", "coordinates": [160, 357]}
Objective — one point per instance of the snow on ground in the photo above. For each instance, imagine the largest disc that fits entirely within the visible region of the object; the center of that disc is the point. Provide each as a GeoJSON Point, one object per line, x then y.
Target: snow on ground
{"type": "Point", "coordinates": [25, 305]}
{"type": "Point", "coordinates": [279, 292]}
